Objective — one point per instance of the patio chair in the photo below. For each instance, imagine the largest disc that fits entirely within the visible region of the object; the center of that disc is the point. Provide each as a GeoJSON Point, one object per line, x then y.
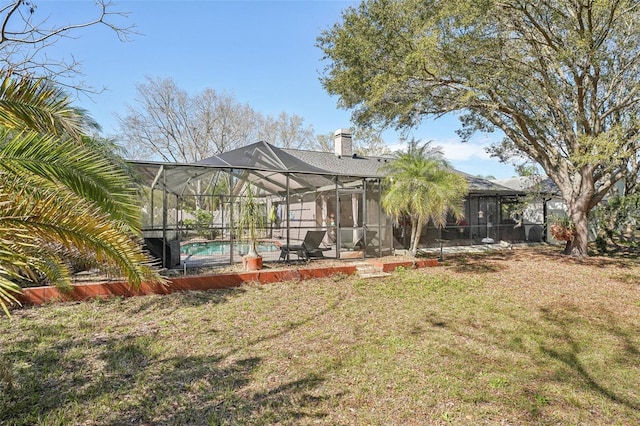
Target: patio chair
{"type": "Point", "coordinates": [310, 247]}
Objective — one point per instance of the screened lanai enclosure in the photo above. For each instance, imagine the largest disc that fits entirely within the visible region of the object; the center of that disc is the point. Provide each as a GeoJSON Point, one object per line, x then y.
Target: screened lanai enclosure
{"type": "Point", "coordinates": [191, 212]}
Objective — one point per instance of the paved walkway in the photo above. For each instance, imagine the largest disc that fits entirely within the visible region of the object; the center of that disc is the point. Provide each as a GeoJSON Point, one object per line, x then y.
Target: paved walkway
{"type": "Point", "coordinates": [188, 262]}
{"type": "Point", "coordinates": [474, 248]}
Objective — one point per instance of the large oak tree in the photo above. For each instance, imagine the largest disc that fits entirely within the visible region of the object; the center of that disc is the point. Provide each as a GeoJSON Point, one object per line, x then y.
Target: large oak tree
{"type": "Point", "coordinates": [559, 78]}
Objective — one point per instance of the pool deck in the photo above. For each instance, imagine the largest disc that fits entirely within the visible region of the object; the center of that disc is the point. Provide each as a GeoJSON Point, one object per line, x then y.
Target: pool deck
{"type": "Point", "coordinates": [194, 261]}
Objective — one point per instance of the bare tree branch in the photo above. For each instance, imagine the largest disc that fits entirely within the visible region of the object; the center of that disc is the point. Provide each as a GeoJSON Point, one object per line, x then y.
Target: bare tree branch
{"type": "Point", "coordinates": [26, 37]}
{"type": "Point", "coordinates": [169, 123]}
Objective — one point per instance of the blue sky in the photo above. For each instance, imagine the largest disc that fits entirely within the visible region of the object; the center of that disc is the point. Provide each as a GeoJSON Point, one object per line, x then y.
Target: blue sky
{"type": "Point", "coordinates": [261, 52]}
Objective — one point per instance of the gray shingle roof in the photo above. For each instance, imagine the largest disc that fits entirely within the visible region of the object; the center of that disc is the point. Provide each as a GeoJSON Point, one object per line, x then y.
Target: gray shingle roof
{"type": "Point", "coordinates": [530, 184]}
{"type": "Point", "coordinates": [268, 164]}
{"type": "Point", "coordinates": [480, 185]}
{"type": "Point", "coordinates": [354, 165]}
{"type": "Point", "coordinates": [372, 167]}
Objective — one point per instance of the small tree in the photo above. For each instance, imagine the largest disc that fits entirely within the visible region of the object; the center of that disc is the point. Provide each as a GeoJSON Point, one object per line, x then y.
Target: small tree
{"type": "Point", "coordinates": [250, 220]}
{"type": "Point", "coordinates": [424, 188]}
{"type": "Point", "coordinates": [201, 223]}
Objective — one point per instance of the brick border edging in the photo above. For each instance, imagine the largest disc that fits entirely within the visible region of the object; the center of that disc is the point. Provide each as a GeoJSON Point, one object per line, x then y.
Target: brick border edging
{"type": "Point", "coordinates": [81, 292]}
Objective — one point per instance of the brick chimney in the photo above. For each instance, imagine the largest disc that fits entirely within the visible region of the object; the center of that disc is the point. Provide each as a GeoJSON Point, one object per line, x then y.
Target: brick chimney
{"type": "Point", "coordinates": [342, 142]}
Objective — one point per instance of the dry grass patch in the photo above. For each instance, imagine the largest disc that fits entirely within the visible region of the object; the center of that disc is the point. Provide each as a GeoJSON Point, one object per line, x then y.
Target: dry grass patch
{"type": "Point", "coordinates": [513, 337]}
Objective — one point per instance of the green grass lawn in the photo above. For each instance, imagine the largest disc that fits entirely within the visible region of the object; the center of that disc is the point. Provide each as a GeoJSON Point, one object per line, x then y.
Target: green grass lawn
{"type": "Point", "coordinates": [514, 337]}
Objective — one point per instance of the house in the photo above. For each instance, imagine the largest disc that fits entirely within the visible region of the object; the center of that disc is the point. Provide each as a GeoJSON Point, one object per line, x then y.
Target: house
{"type": "Point", "coordinates": [338, 192]}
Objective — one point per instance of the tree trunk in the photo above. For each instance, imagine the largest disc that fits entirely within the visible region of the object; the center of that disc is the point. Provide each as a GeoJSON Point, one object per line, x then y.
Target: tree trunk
{"type": "Point", "coordinates": [198, 195]}
{"type": "Point", "coordinates": [415, 236]}
{"type": "Point", "coordinates": [578, 191]}
{"type": "Point", "coordinates": [413, 233]}
{"type": "Point", "coordinates": [578, 247]}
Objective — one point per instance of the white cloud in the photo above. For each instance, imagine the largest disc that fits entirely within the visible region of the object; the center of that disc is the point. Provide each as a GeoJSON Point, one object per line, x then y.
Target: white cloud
{"type": "Point", "coordinates": [469, 157]}
{"type": "Point", "coordinates": [456, 150]}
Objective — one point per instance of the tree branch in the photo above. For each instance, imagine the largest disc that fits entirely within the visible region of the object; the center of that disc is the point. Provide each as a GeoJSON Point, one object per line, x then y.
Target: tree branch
{"type": "Point", "coordinates": [23, 42]}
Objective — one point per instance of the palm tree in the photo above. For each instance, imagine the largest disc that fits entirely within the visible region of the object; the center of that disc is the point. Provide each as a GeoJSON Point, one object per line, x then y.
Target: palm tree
{"type": "Point", "coordinates": [421, 185]}
{"type": "Point", "coordinates": [60, 196]}
{"type": "Point", "coordinates": [250, 219]}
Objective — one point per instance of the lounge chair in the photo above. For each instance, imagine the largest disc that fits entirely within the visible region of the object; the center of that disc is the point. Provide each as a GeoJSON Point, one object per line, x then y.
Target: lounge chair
{"type": "Point", "coordinates": [310, 247]}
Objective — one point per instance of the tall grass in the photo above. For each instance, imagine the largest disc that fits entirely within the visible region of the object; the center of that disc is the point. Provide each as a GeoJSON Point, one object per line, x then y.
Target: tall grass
{"type": "Point", "coordinates": [489, 340]}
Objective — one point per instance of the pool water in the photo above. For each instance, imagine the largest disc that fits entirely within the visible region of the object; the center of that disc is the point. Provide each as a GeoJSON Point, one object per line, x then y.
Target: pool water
{"type": "Point", "coordinates": [211, 248]}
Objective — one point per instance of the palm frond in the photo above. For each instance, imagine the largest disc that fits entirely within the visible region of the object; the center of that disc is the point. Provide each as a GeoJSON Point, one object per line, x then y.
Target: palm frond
{"type": "Point", "coordinates": [8, 290]}
{"type": "Point", "coordinates": [86, 173]}
{"type": "Point", "coordinates": [62, 218]}
{"type": "Point", "coordinates": [38, 105]}
{"type": "Point", "coordinates": [13, 246]}
{"type": "Point", "coordinates": [60, 193]}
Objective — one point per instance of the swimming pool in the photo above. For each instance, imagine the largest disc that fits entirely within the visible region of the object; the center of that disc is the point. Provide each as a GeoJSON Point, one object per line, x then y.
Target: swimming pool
{"type": "Point", "coordinates": [212, 248]}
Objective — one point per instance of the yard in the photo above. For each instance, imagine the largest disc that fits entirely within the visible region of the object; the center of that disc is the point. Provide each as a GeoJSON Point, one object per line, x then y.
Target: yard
{"type": "Point", "coordinates": [520, 336]}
